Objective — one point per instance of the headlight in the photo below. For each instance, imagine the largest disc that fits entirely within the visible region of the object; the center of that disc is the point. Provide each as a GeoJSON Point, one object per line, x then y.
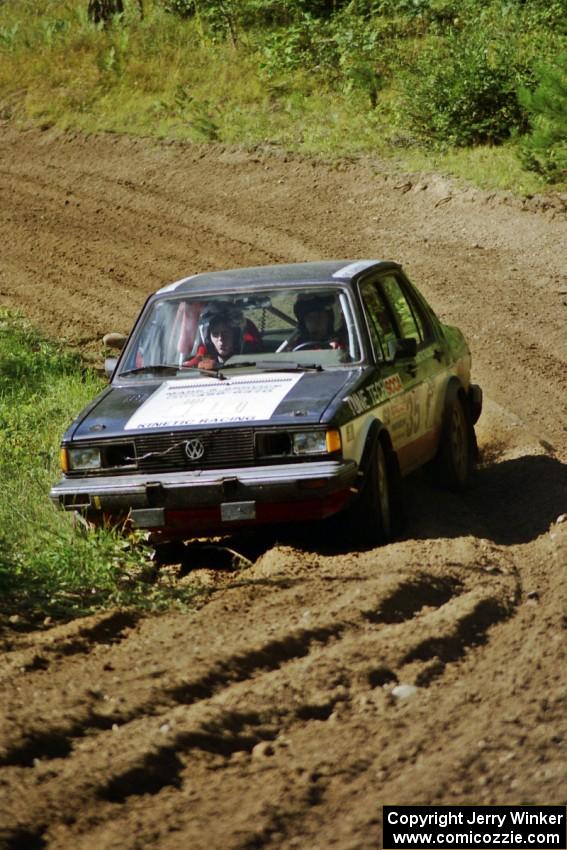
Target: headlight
{"type": "Point", "coordinates": [85, 458]}
{"type": "Point", "coordinates": [309, 443]}
{"type": "Point", "coordinates": [315, 442]}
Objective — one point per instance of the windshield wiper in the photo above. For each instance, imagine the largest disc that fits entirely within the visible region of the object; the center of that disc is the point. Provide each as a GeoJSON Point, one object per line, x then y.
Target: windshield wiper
{"type": "Point", "coordinates": [167, 369]}
{"type": "Point", "coordinates": [158, 367]}
{"type": "Point", "coordinates": [272, 366]}
{"type": "Point", "coordinates": [241, 364]}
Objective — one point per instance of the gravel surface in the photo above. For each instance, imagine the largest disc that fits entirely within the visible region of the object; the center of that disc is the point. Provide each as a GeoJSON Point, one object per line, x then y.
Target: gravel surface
{"type": "Point", "coordinates": [316, 684]}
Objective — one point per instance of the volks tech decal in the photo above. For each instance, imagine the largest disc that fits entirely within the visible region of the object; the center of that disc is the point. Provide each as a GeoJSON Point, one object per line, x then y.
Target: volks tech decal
{"type": "Point", "coordinates": [374, 393]}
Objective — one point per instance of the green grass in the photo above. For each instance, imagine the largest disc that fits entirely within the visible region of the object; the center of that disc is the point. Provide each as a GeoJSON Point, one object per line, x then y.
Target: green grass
{"type": "Point", "coordinates": [50, 564]}
{"type": "Point", "coordinates": [484, 166]}
{"type": "Point", "coordinates": [162, 76]}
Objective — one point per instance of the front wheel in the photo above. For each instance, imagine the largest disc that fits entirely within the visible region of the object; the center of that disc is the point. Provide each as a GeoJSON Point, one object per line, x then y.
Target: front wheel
{"type": "Point", "coordinates": [382, 495]}
{"type": "Point", "coordinates": [369, 518]}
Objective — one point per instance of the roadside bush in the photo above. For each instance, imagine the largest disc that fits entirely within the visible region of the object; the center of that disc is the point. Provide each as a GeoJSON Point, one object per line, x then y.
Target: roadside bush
{"type": "Point", "coordinates": [551, 14]}
{"type": "Point", "coordinates": [256, 12]}
{"type": "Point", "coordinates": [28, 361]}
{"type": "Point", "coordinates": [307, 43]}
{"type": "Point", "coordinates": [349, 52]}
{"type": "Point", "coordinates": [322, 76]}
{"type": "Point", "coordinates": [544, 150]}
{"type": "Point", "coordinates": [463, 91]}
{"type": "Point", "coordinates": [49, 562]}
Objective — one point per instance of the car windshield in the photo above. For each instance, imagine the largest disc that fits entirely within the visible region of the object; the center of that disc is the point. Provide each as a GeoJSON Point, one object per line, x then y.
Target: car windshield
{"type": "Point", "coordinates": [296, 327]}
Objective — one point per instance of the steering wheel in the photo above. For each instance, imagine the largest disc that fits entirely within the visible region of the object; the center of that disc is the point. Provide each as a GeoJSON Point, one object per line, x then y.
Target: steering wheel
{"type": "Point", "coordinates": [310, 345]}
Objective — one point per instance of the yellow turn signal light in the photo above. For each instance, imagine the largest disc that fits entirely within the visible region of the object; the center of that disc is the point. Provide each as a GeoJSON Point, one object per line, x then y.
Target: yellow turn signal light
{"type": "Point", "coordinates": [64, 459]}
{"type": "Point", "coordinates": [333, 439]}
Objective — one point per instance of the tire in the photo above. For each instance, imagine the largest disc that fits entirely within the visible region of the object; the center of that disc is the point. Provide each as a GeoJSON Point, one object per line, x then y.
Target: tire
{"type": "Point", "coordinates": [452, 466]}
{"type": "Point", "coordinates": [369, 520]}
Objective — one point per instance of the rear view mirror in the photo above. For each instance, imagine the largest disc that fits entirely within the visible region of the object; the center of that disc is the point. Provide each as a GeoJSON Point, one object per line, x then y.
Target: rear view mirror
{"type": "Point", "coordinates": [114, 340]}
{"type": "Point", "coordinates": [401, 348]}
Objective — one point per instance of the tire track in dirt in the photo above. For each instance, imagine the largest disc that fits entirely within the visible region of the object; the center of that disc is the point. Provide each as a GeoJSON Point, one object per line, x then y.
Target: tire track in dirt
{"type": "Point", "coordinates": [240, 701]}
{"type": "Point", "coordinates": [70, 639]}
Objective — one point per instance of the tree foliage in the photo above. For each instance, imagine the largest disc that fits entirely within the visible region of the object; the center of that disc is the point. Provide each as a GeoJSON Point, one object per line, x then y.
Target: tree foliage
{"type": "Point", "coordinates": [101, 11]}
{"type": "Point", "coordinates": [463, 90]}
{"type": "Point", "coordinates": [545, 148]}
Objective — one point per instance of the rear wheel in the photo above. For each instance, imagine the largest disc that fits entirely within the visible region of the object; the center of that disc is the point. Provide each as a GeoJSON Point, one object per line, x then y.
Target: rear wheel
{"type": "Point", "coordinates": [453, 464]}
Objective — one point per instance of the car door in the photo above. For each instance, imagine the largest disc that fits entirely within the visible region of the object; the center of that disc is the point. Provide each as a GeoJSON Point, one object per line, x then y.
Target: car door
{"type": "Point", "coordinates": [412, 417]}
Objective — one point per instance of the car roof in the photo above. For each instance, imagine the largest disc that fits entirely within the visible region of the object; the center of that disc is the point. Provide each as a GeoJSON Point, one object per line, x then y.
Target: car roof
{"type": "Point", "coordinates": [321, 272]}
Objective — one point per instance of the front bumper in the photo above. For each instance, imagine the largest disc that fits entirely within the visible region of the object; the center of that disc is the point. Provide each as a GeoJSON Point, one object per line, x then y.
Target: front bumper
{"type": "Point", "coordinates": [177, 503]}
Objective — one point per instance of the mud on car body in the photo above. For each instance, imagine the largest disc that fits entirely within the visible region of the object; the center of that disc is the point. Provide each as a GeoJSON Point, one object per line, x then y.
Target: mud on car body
{"type": "Point", "coordinates": [338, 381]}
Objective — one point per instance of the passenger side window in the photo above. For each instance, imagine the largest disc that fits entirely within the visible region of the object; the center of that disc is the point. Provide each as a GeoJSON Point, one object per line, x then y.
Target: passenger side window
{"type": "Point", "coordinates": [409, 316]}
{"type": "Point", "coordinates": [379, 319]}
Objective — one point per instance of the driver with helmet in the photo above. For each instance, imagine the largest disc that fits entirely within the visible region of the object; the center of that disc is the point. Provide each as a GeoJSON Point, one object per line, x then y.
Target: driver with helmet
{"type": "Point", "coordinates": [223, 331]}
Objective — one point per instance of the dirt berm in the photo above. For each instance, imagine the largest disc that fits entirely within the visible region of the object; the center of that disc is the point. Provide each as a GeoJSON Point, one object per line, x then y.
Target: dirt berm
{"type": "Point", "coordinates": [270, 717]}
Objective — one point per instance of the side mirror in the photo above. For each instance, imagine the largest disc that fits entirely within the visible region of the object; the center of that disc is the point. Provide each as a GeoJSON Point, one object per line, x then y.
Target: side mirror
{"type": "Point", "coordinates": [398, 349]}
{"type": "Point", "coordinates": [114, 340]}
{"type": "Point", "coordinates": [110, 366]}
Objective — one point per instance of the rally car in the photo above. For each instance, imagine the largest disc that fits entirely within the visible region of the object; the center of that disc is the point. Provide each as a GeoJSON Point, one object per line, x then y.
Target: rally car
{"type": "Point", "coordinates": [274, 394]}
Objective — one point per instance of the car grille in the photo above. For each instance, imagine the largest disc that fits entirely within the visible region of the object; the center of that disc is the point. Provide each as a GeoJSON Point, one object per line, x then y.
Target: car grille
{"type": "Point", "coordinates": [226, 447]}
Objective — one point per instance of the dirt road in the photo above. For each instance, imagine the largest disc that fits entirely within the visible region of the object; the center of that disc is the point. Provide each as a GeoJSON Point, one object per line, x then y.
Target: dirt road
{"type": "Point", "coordinates": [271, 716]}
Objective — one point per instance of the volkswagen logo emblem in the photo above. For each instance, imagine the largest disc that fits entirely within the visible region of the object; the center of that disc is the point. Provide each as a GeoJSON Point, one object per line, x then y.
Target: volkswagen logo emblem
{"type": "Point", "coordinates": [194, 449]}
